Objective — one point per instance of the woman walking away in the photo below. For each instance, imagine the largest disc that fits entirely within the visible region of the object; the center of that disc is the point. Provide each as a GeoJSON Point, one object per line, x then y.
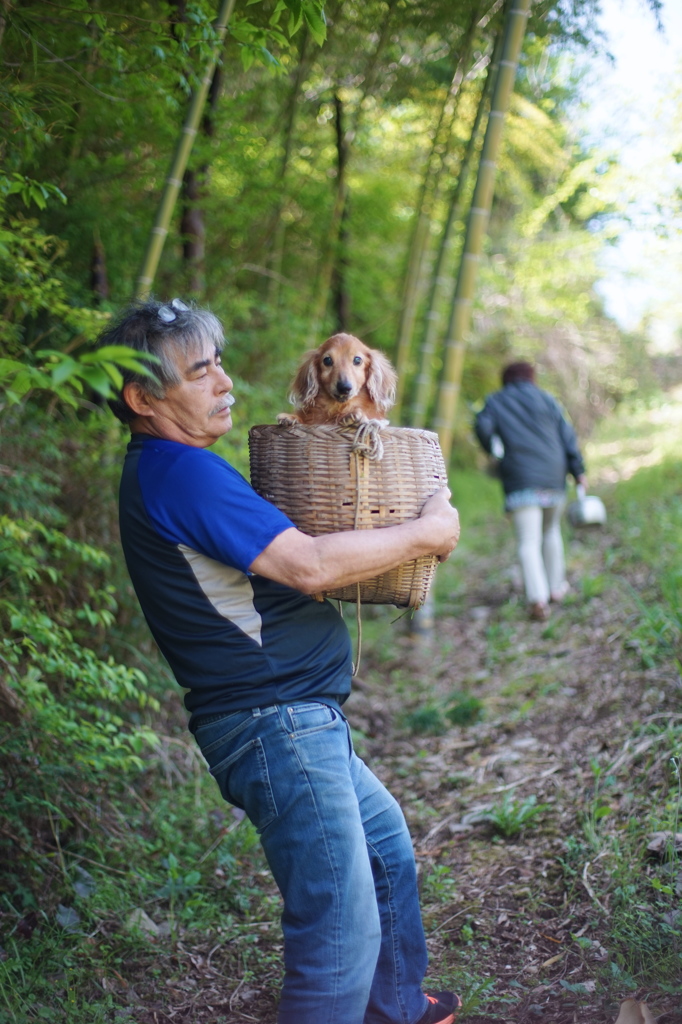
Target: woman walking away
{"type": "Point", "coordinates": [525, 428]}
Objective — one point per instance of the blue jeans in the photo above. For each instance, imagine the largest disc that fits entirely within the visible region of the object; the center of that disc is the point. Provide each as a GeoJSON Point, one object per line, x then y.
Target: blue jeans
{"type": "Point", "coordinates": [340, 852]}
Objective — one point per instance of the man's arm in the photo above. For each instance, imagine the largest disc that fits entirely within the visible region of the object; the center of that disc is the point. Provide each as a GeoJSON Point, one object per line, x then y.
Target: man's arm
{"type": "Point", "coordinates": [314, 564]}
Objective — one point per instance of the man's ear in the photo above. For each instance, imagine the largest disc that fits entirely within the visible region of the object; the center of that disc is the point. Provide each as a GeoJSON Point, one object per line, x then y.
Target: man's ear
{"type": "Point", "coordinates": [137, 399]}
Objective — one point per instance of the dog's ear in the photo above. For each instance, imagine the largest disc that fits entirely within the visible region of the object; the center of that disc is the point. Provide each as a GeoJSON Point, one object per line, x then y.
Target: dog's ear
{"type": "Point", "coordinates": [381, 381]}
{"type": "Point", "coordinates": [306, 385]}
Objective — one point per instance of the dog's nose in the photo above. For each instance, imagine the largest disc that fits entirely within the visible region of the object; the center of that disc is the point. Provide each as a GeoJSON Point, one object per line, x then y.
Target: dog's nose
{"type": "Point", "coordinates": [343, 388]}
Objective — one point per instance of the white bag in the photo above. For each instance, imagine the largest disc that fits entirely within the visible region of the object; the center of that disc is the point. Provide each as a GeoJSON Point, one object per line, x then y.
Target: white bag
{"type": "Point", "coordinates": [587, 510]}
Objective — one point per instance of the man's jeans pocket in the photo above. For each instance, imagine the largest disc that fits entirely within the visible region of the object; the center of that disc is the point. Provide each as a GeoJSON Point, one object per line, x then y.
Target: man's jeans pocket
{"type": "Point", "coordinates": [307, 718]}
{"type": "Point", "coordinates": [244, 781]}
{"type": "Point", "coordinates": [259, 758]}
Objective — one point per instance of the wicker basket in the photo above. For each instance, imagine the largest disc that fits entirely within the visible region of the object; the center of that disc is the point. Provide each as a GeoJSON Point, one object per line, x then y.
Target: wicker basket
{"type": "Point", "coordinates": [319, 478]}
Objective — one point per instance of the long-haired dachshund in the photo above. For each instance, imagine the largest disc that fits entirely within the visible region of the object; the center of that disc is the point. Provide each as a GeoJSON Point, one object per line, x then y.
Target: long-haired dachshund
{"type": "Point", "coordinates": [343, 381]}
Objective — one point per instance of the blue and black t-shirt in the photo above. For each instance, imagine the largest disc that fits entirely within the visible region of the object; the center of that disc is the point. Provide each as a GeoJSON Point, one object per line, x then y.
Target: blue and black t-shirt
{"type": "Point", "coordinates": [191, 526]}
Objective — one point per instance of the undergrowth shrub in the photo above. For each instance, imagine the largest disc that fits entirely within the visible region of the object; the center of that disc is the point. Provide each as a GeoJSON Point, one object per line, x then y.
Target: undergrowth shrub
{"type": "Point", "coordinates": [68, 728]}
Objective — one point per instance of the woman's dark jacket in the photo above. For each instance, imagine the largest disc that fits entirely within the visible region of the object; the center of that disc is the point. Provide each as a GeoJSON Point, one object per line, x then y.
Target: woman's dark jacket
{"type": "Point", "coordinates": [540, 446]}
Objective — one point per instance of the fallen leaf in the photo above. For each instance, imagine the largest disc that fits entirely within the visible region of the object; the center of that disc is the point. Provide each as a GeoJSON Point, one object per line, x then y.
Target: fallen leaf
{"type": "Point", "coordinates": [86, 885]}
{"type": "Point", "coordinates": [662, 843]}
{"type": "Point", "coordinates": [139, 920]}
{"type": "Point", "coordinates": [634, 1012]}
{"type": "Point", "coordinates": [67, 918]}
{"type": "Point", "coordinates": [552, 960]}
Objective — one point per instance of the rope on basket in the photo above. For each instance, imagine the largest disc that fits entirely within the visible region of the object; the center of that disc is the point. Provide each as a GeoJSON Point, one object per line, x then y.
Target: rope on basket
{"type": "Point", "coordinates": [367, 440]}
{"type": "Point", "coordinates": [367, 444]}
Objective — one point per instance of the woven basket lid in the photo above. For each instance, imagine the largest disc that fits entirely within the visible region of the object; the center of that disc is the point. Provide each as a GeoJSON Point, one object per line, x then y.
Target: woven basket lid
{"type": "Point", "coordinates": [330, 478]}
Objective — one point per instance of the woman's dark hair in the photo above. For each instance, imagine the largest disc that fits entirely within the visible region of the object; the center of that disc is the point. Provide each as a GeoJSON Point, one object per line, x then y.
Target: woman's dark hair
{"type": "Point", "coordinates": [516, 372]}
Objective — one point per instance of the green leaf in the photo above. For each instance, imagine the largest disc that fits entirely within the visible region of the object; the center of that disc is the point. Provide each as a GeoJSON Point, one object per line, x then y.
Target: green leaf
{"type": "Point", "coordinates": [269, 58]}
{"type": "Point", "coordinates": [38, 197]}
{"type": "Point", "coordinates": [9, 367]}
{"type": "Point", "coordinates": [295, 6]}
{"type": "Point", "coordinates": [66, 368]}
{"type": "Point", "coordinates": [97, 378]}
{"type": "Point", "coordinates": [315, 22]}
{"type": "Point", "coordinates": [119, 353]}
{"type": "Point", "coordinates": [247, 56]}
{"type": "Point", "coordinates": [115, 374]}
{"type": "Point", "coordinates": [294, 24]}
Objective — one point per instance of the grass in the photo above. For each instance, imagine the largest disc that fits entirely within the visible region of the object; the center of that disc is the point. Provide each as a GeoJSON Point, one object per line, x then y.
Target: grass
{"type": "Point", "coordinates": [510, 817]}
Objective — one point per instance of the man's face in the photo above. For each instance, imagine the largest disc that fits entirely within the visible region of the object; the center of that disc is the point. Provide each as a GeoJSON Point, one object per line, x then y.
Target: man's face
{"type": "Point", "coordinates": [195, 412]}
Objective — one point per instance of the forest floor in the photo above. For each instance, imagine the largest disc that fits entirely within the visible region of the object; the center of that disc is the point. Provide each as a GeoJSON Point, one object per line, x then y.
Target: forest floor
{"type": "Point", "coordinates": [564, 706]}
{"type": "Point", "coordinates": [530, 817]}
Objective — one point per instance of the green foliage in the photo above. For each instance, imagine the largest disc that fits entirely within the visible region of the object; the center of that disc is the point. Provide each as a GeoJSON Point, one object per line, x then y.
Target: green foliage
{"type": "Point", "coordinates": [426, 721]}
{"type": "Point", "coordinates": [510, 817]}
{"type": "Point", "coordinates": [435, 717]}
{"type": "Point", "coordinates": [439, 886]}
{"type": "Point", "coordinates": [31, 292]}
{"type": "Point", "coordinates": [464, 709]}
{"type": "Point", "coordinates": [73, 716]}
{"type": "Point", "coordinates": [57, 679]}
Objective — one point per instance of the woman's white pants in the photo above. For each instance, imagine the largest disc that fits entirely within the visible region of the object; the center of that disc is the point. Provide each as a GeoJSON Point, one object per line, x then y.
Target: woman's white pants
{"type": "Point", "coordinates": [541, 551]}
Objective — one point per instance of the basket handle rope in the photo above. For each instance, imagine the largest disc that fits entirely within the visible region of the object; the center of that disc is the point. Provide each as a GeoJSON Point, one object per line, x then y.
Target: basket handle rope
{"type": "Point", "coordinates": [367, 440]}
{"type": "Point", "coordinates": [367, 445]}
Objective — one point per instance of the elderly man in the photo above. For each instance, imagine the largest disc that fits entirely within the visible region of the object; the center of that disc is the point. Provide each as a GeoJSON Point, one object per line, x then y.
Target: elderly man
{"type": "Point", "coordinates": [224, 580]}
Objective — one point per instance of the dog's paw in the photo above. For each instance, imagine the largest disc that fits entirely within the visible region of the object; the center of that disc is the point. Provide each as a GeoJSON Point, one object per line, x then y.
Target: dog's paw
{"type": "Point", "coordinates": [351, 419]}
{"type": "Point", "coordinates": [287, 419]}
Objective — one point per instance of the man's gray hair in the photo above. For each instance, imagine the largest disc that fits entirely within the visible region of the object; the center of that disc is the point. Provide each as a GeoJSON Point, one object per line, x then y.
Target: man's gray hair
{"type": "Point", "coordinates": [164, 330]}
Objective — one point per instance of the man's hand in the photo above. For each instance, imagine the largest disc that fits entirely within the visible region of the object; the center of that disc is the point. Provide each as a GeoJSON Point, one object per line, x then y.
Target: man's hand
{"type": "Point", "coordinates": [443, 520]}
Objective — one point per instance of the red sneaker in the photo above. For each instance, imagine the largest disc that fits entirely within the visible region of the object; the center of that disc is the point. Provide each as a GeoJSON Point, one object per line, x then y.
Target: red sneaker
{"type": "Point", "coordinates": [442, 1008]}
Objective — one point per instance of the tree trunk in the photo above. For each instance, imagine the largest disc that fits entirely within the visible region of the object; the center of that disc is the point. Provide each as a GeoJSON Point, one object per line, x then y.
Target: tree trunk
{"type": "Point", "coordinates": [99, 283]}
{"type": "Point", "coordinates": [477, 222]}
{"type": "Point", "coordinates": [179, 164]}
{"type": "Point", "coordinates": [194, 188]}
{"type": "Point", "coordinates": [440, 278]}
{"type": "Point", "coordinates": [339, 219]}
{"type": "Point", "coordinates": [192, 231]}
{"type": "Point", "coordinates": [340, 294]}
{"type": "Point", "coordinates": [278, 229]}
{"type": "Point", "coordinates": [4, 14]}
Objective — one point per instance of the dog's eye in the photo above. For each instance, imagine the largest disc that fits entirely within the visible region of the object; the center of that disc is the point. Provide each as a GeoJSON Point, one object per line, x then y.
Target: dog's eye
{"type": "Point", "coordinates": [328, 361]}
{"type": "Point", "coordinates": [357, 360]}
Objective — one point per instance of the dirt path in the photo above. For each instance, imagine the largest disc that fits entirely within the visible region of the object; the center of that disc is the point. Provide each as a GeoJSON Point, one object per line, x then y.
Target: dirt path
{"type": "Point", "coordinates": [507, 920]}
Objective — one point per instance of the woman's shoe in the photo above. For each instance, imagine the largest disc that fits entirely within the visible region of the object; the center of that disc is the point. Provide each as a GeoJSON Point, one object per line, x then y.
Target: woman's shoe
{"type": "Point", "coordinates": [560, 593]}
{"type": "Point", "coordinates": [539, 611]}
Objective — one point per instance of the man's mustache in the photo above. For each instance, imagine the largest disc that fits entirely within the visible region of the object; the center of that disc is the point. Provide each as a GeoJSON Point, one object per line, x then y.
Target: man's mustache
{"type": "Point", "coordinates": [226, 402]}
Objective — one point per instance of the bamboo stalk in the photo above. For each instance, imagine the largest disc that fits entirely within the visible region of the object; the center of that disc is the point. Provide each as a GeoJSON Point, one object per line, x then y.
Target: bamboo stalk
{"type": "Point", "coordinates": [173, 184]}
{"type": "Point", "coordinates": [477, 223]}
{"type": "Point", "coordinates": [440, 278]}
{"type": "Point", "coordinates": [428, 192]}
